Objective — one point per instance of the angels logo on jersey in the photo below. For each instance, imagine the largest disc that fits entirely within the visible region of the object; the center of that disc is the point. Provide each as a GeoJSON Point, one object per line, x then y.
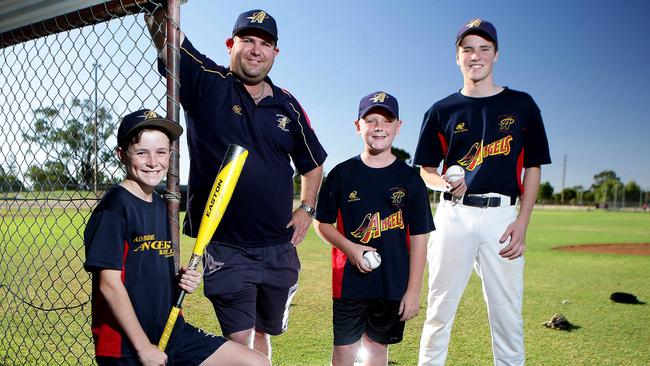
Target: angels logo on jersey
{"type": "Point", "coordinates": [372, 225]}
{"type": "Point", "coordinates": [397, 196]}
{"type": "Point", "coordinates": [478, 152]}
{"type": "Point", "coordinates": [149, 242]}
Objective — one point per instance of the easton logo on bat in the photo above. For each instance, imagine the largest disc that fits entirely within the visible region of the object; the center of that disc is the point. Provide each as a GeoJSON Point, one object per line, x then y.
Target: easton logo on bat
{"type": "Point", "coordinates": [213, 199]}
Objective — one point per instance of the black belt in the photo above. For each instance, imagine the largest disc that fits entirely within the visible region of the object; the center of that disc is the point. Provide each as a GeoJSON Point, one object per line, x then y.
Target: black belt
{"type": "Point", "coordinates": [480, 201]}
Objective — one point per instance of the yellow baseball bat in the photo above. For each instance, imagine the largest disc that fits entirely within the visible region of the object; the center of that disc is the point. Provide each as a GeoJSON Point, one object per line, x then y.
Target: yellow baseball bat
{"type": "Point", "coordinates": [224, 185]}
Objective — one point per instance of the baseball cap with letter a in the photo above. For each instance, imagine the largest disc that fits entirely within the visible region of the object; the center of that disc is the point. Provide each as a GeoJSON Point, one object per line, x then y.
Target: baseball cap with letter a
{"type": "Point", "coordinates": [136, 121]}
{"type": "Point", "coordinates": [378, 99]}
{"type": "Point", "coordinates": [480, 27]}
{"type": "Point", "coordinates": [256, 19]}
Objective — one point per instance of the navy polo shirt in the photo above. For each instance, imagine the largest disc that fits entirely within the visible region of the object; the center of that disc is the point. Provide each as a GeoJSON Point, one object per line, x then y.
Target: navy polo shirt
{"type": "Point", "coordinates": [219, 111]}
{"type": "Point", "coordinates": [493, 138]}
{"type": "Point", "coordinates": [377, 207]}
{"type": "Point", "coordinates": [127, 234]}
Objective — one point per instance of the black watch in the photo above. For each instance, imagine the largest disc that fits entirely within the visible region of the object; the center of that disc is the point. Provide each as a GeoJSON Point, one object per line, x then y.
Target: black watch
{"type": "Point", "coordinates": [311, 210]}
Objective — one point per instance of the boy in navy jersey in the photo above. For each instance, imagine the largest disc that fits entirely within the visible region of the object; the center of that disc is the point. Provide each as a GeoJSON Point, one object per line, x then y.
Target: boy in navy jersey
{"type": "Point", "coordinates": [494, 133]}
{"type": "Point", "coordinates": [378, 203]}
{"type": "Point", "coordinates": [129, 252]}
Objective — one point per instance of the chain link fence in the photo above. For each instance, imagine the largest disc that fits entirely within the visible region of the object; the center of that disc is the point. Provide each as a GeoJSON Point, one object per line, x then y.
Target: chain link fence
{"type": "Point", "coordinates": [64, 85]}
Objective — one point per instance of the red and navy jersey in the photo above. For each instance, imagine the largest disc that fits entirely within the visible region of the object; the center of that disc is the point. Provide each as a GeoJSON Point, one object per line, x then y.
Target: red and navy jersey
{"type": "Point", "coordinates": [127, 234]}
{"type": "Point", "coordinates": [493, 138]}
{"type": "Point", "coordinates": [377, 207]}
{"type": "Point", "coordinates": [219, 112]}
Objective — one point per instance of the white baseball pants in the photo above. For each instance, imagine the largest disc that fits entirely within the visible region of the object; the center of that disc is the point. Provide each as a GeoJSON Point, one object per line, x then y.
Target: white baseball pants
{"type": "Point", "coordinates": [467, 237]}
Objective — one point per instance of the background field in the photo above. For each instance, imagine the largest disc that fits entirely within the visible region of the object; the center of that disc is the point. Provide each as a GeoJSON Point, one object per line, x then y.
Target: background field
{"type": "Point", "coordinates": [609, 333]}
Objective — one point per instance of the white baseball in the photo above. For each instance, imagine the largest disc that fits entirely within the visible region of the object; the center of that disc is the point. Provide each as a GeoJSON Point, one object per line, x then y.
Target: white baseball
{"type": "Point", "coordinates": [372, 259]}
{"type": "Point", "coordinates": [454, 173]}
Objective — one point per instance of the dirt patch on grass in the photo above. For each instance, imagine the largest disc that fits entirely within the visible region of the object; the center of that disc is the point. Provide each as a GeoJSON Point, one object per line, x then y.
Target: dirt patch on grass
{"type": "Point", "coordinates": [612, 248]}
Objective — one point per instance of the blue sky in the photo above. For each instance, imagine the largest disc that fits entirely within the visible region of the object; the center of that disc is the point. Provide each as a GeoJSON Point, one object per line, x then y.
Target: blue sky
{"type": "Point", "coordinates": [584, 62]}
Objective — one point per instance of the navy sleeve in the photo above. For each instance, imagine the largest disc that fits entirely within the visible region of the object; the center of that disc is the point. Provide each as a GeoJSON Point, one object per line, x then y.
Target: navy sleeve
{"type": "Point", "coordinates": [197, 75]}
{"type": "Point", "coordinates": [420, 219]}
{"type": "Point", "coordinates": [307, 153]}
{"type": "Point", "coordinates": [536, 151]}
{"type": "Point", "coordinates": [104, 240]}
{"type": "Point", "coordinates": [430, 150]}
{"type": "Point", "coordinates": [327, 207]}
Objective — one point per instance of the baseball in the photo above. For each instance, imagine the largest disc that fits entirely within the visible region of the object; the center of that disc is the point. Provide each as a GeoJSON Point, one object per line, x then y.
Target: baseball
{"type": "Point", "coordinates": [454, 173]}
{"type": "Point", "coordinates": [372, 259]}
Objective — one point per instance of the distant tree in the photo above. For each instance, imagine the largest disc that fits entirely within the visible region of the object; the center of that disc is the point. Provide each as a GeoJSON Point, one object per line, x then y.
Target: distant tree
{"type": "Point", "coordinates": [67, 134]}
{"type": "Point", "coordinates": [632, 191]}
{"type": "Point", "coordinates": [605, 184]}
{"type": "Point", "coordinates": [401, 154]}
{"type": "Point", "coordinates": [545, 192]}
{"type": "Point", "coordinates": [52, 176]}
{"type": "Point", "coordinates": [9, 182]}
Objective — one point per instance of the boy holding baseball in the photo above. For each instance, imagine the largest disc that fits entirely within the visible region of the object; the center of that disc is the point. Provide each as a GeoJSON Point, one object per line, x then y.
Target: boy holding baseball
{"type": "Point", "coordinates": [379, 204]}
{"type": "Point", "coordinates": [130, 256]}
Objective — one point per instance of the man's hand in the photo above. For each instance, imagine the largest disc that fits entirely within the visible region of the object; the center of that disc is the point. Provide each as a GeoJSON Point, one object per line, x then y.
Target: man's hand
{"type": "Point", "coordinates": [300, 220]}
{"type": "Point", "coordinates": [516, 231]}
{"type": "Point", "coordinates": [189, 279]}
{"type": "Point", "coordinates": [409, 306]}
{"type": "Point", "coordinates": [150, 355]}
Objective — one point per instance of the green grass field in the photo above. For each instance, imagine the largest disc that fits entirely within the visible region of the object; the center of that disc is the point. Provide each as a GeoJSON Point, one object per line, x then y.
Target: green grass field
{"type": "Point", "coordinates": [609, 333]}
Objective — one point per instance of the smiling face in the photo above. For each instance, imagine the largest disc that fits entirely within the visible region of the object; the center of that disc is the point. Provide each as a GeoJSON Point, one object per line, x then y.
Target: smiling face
{"type": "Point", "coordinates": [147, 159]}
{"type": "Point", "coordinates": [476, 57]}
{"type": "Point", "coordinates": [378, 129]}
{"type": "Point", "coordinates": [252, 53]}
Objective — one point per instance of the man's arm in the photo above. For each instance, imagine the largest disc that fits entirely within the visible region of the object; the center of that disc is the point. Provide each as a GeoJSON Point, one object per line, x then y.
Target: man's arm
{"type": "Point", "coordinates": [517, 229]}
{"type": "Point", "coordinates": [353, 251]}
{"type": "Point", "coordinates": [410, 304]}
{"type": "Point", "coordinates": [300, 219]}
{"type": "Point", "coordinates": [158, 30]}
{"type": "Point", "coordinates": [113, 290]}
{"type": "Point", "coordinates": [434, 181]}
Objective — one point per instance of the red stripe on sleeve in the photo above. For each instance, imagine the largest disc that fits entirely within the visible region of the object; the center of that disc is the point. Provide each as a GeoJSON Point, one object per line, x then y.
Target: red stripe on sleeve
{"type": "Point", "coordinates": [520, 168]}
{"type": "Point", "coordinates": [107, 337]}
{"type": "Point", "coordinates": [338, 262]}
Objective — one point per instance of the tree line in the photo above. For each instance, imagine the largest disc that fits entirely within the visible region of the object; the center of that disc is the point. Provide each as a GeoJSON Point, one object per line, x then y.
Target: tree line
{"type": "Point", "coordinates": [606, 188]}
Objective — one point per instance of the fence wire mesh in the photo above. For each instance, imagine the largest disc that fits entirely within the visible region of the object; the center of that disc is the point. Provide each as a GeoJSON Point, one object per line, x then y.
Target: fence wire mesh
{"type": "Point", "coordinates": [61, 98]}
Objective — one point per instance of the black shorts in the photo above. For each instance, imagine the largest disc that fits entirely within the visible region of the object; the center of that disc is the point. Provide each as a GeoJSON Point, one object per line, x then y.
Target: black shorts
{"type": "Point", "coordinates": [378, 318]}
{"type": "Point", "coordinates": [188, 346]}
{"type": "Point", "coordinates": [251, 287]}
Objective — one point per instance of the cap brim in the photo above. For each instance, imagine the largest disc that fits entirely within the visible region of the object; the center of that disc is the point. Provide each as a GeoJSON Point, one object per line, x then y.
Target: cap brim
{"type": "Point", "coordinates": [174, 130]}
{"type": "Point", "coordinates": [475, 31]}
{"type": "Point", "coordinates": [378, 105]}
{"type": "Point", "coordinates": [251, 26]}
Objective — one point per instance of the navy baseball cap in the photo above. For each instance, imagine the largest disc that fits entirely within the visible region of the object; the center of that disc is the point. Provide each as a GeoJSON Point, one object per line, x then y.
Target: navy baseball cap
{"type": "Point", "coordinates": [378, 99]}
{"type": "Point", "coordinates": [133, 122]}
{"type": "Point", "coordinates": [256, 19]}
{"type": "Point", "coordinates": [478, 26]}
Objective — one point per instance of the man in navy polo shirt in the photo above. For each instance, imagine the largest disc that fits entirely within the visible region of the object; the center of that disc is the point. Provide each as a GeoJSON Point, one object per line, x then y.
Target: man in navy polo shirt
{"type": "Point", "coordinates": [251, 266]}
{"type": "Point", "coordinates": [494, 133]}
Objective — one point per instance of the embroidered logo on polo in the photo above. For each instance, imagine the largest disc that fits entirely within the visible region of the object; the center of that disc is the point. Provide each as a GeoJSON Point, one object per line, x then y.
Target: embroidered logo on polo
{"type": "Point", "coordinates": [373, 225]}
{"type": "Point", "coordinates": [352, 197]}
{"type": "Point", "coordinates": [237, 109]}
{"type": "Point", "coordinates": [149, 242]}
{"type": "Point", "coordinates": [505, 122]}
{"type": "Point", "coordinates": [460, 127]}
{"type": "Point", "coordinates": [258, 17]}
{"type": "Point", "coordinates": [283, 121]}
{"type": "Point", "coordinates": [379, 97]}
{"type": "Point", "coordinates": [478, 152]}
